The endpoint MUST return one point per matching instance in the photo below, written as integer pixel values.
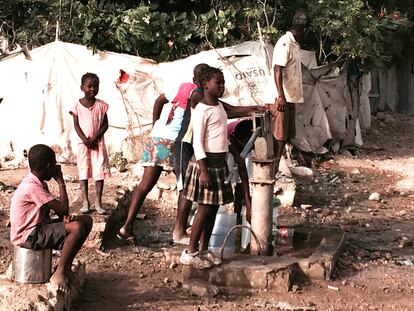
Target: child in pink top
(91, 123)
(31, 225)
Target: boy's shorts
(182, 155)
(284, 127)
(46, 235)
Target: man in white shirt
(287, 90)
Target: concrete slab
(248, 272)
(321, 263)
(314, 258)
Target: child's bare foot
(99, 209)
(126, 236)
(59, 281)
(86, 208)
(183, 239)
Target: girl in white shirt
(204, 182)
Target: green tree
(368, 35)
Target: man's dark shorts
(46, 235)
(284, 127)
(182, 153)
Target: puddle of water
(304, 242)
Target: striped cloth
(218, 193)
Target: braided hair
(207, 73)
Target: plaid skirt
(218, 193)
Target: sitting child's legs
(46, 236)
(77, 231)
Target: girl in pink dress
(91, 123)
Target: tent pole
(57, 31)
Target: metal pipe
(227, 237)
(262, 187)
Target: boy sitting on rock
(31, 225)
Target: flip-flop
(128, 239)
(101, 211)
(85, 210)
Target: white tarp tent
(38, 94)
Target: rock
(137, 170)
(202, 289)
(385, 117)
(98, 227)
(305, 206)
(43, 306)
(326, 212)
(302, 171)
(155, 194)
(345, 152)
(9, 272)
(283, 305)
(69, 178)
(401, 213)
(95, 243)
(405, 242)
(121, 192)
(295, 288)
(348, 197)
(141, 216)
(164, 185)
(287, 197)
(335, 180)
(375, 196)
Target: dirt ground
(374, 272)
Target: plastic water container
(245, 238)
(224, 222)
(32, 266)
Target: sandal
(128, 239)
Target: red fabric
(123, 76)
(183, 93)
(181, 99)
(231, 127)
